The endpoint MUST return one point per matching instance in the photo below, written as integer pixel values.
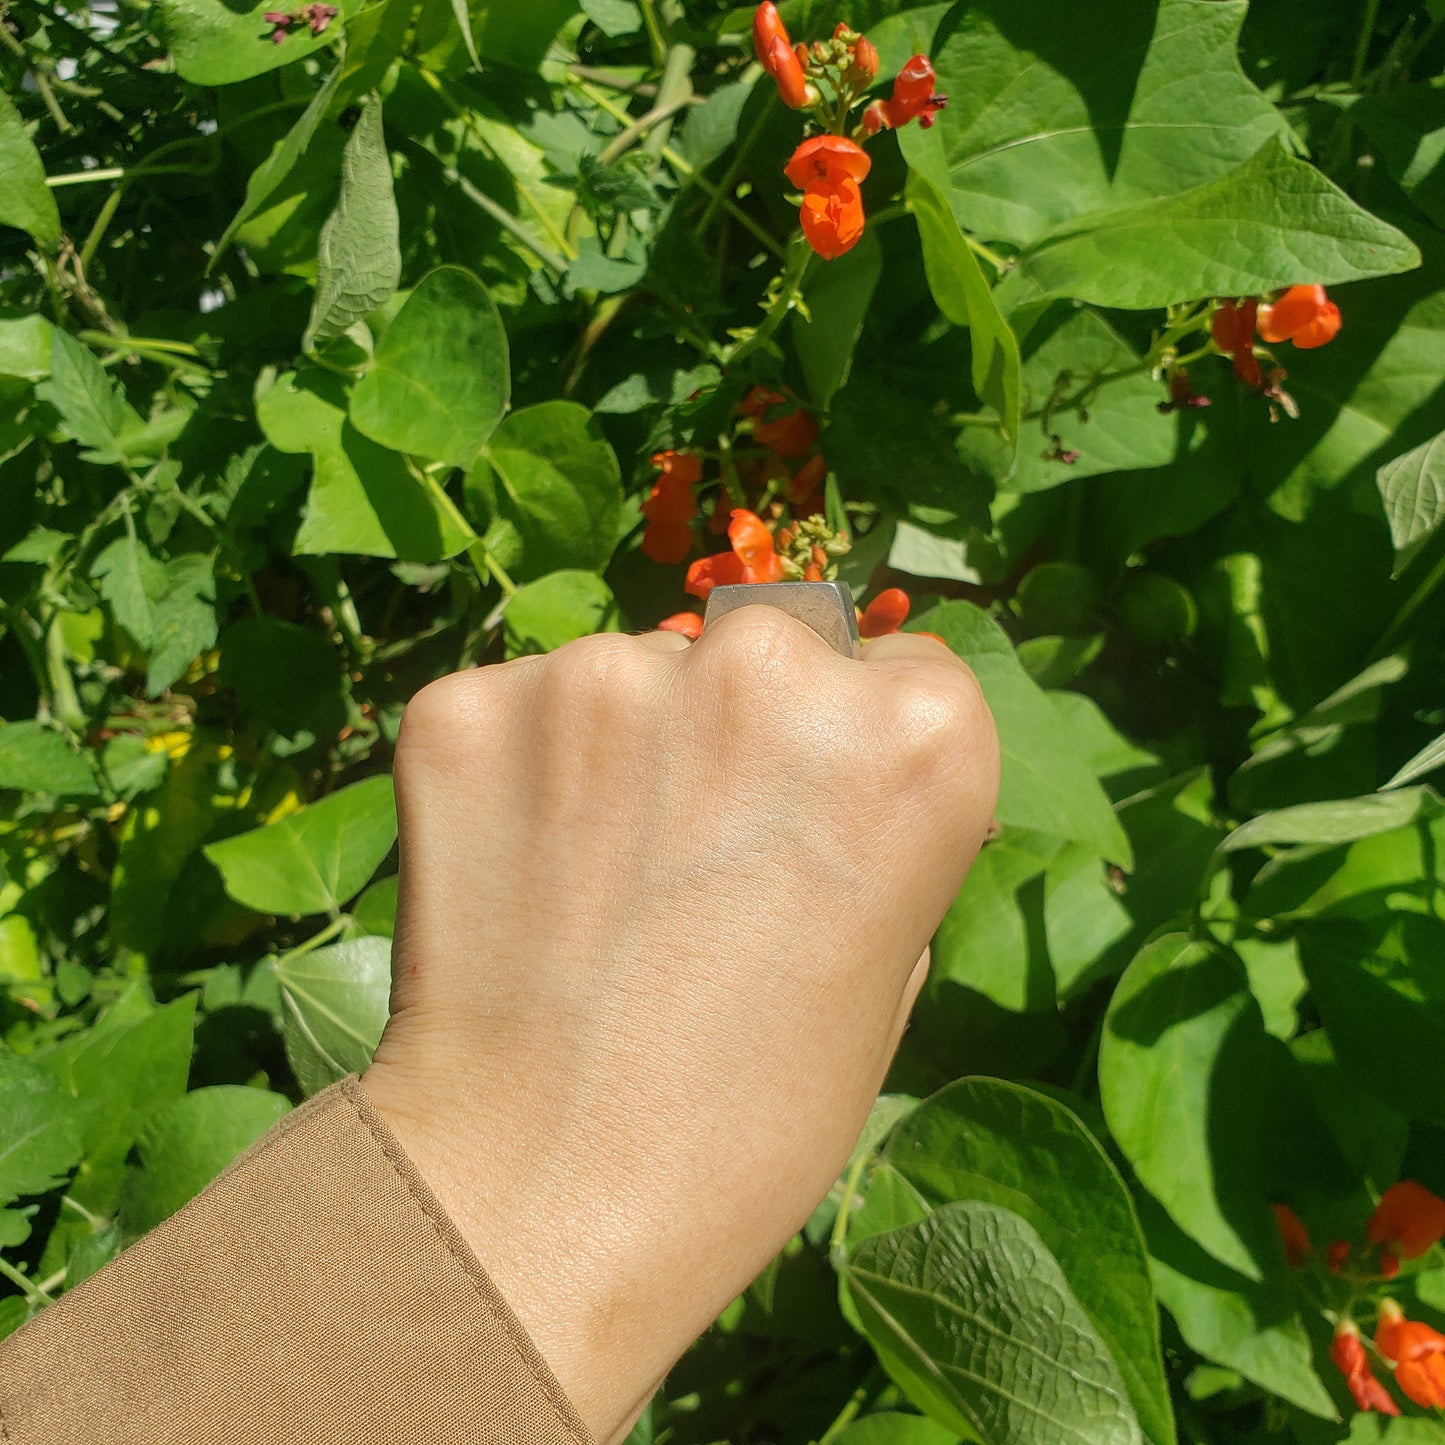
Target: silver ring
(826, 607)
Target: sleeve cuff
(314, 1293)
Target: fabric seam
(481, 1282)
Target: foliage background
(328, 366)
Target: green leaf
(336, 1005)
(890, 1428)
(1266, 225)
(957, 281)
(440, 381)
(1340, 821)
(286, 678)
(133, 582)
(1053, 116)
(1430, 757)
(185, 619)
(41, 1142)
(972, 1316)
(213, 42)
(1124, 429)
(134, 1061)
(1251, 1327)
(1179, 1060)
(92, 410)
(264, 181)
(25, 200)
(26, 343)
(1376, 1430)
(358, 263)
(315, 860)
(559, 607)
(1046, 787)
(37, 759)
(363, 498)
(984, 1139)
(186, 1144)
(837, 297)
(984, 941)
(1407, 125)
(550, 491)
(1412, 488)
(1381, 994)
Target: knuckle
(595, 680)
(941, 722)
(758, 648)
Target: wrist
(554, 1266)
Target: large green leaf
(186, 1144)
(1271, 223)
(971, 1314)
(217, 43)
(556, 609)
(1412, 488)
(1046, 786)
(1407, 125)
(363, 498)
(41, 1142)
(264, 181)
(837, 296)
(336, 1004)
(91, 407)
(1122, 428)
(1243, 1324)
(25, 199)
(890, 1428)
(1053, 115)
(1381, 994)
(315, 860)
(440, 381)
(549, 491)
(984, 1139)
(37, 759)
(1179, 1067)
(957, 281)
(1339, 821)
(358, 263)
(984, 941)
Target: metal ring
(826, 607)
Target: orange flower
(832, 217)
(776, 55)
(687, 623)
(753, 545)
(1303, 315)
(1349, 1357)
(1297, 1246)
(722, 569)
(1337, 1257)
(1418, 1352)
(1408, 1217)
(913, 95)
(886, 613)
(666, 542)
(827, 159)
(789, 435)
(1233, 330)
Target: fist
(664, 909)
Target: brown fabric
(314, 1294)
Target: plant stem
(800, 256)
(654, 31)
(849, 1412)
(1362, 43)
(992, 257)
(838, 1239)
(25, 1284)
(624, 140)
(1417, 599)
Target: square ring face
(826, 607)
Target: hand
(664, 910)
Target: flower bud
(863, 70)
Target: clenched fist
(664, 910)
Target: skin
(664, 910)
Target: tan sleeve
(314, 1293)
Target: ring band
(826, 607)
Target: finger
(906, 647)
(664, 641)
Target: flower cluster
(829, 78)
(316, 16)
(1408, 1221)
(1303, 315)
